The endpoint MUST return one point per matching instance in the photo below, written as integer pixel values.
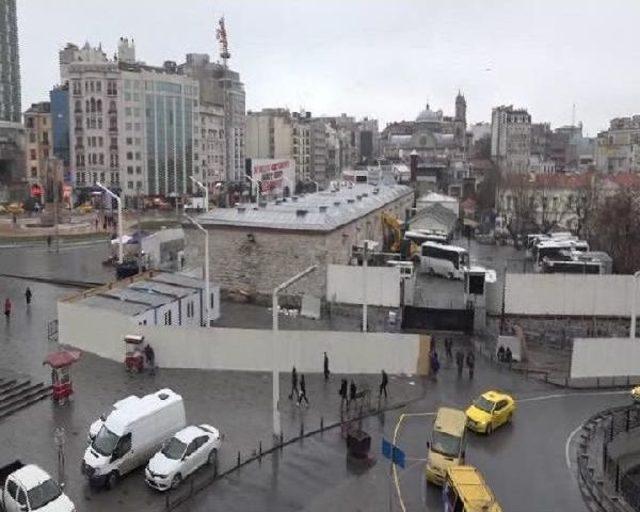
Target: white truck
(131, 434)
(27, 488)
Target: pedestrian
(435, 364)
(326, 367)
(353, 391)
(508, 355)
(343, 393)
(294, 384)
(97, 223)
(7, 308)
(303, 391)
(471, 363)
(501, 354)
(459, 361)
(383, 385)
(48, 242)
(448, 347)
(150, 356)
(28, 295)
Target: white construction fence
(605, 357)
(345, 285)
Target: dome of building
(429, 116)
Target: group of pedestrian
(470, 360)
(8, 306)
(348, 393)
(505, 356)
(301, 393)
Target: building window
(129, 155)
(129, 169)
(130, 185)
(138, 169)
(34, 156)
(167, 315)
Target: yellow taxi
(635, 394)
(489, 411)
(15, 208)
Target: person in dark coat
(435, 364)
(448, 348)
(383, 385)
(508, 355)
(326, 367)
(353, 391)
(294, 384)
(7, 307)
(343, 393)
(501, 353)
(150, 356)
(28, 295)
(303, 391)
(471, 363)
(459, 361)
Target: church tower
(460, 120)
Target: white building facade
(511, 139)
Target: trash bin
(358, 444)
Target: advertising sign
(274, 175)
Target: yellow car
(635, 394)
(489, 411)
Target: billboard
(274, 174)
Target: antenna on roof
(221, 36)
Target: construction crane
(221, 36)
(394, 240)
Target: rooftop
(321, 211)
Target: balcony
(113, 147)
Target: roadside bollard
(238, 464)
(260, 450)
(321, 423)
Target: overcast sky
(383, 59)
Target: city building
(511, 139)
(213, 148)
(133, 127)
(269, 134)
(254, 248)
(221, 87)
(39, 139)
(618, 148)
(12, 160)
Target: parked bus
(465, 490)
(552, 249)
(444, 260)
(446, 446)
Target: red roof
(62, 358)
(573, 181)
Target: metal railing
(602, 476)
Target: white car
(188, 450)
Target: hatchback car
(489, 411)
(188, 450)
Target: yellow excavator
(394, 239)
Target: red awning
(62, 358)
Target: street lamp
(206, 193)
(120, 223)
(634, 294)
(277, 430)
(255, 182)
(206, 268)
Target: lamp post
(365, 257)
(274, 347)
(206, 268)
(206, 193)
(120, 223)
(634, 294)
(255, 182)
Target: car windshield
(45, 493)
(484, 405)
(105, 442)
(174, 449)
(446, 444)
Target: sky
(382, 59)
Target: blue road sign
(393, 453)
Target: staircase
(19, 392)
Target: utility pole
(56, 191)
(364, 287)
(120, 223)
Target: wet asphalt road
(524, 463)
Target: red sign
(273, 175)
(36, 190)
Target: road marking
(567, 458)
(568, 395)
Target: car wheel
(450, 275)
(212, 458)
(176, 481)
(112, 480)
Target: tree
(616, 230)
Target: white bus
(552, 249)
(444, 260)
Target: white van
(131, 434)
(97, 425)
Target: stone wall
(257, 260)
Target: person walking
(353, 391)
(28, 295)
(343, 393)
(459, 361)
(303, 391)
(48, 242)
(471, 363)
(448, 347)
(508, 355)
(383, 385)
(7, 308)
(435, 365)
(150, 356)
(294, 384)
(326, 367)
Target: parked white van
(97, 425)
(131, 434)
